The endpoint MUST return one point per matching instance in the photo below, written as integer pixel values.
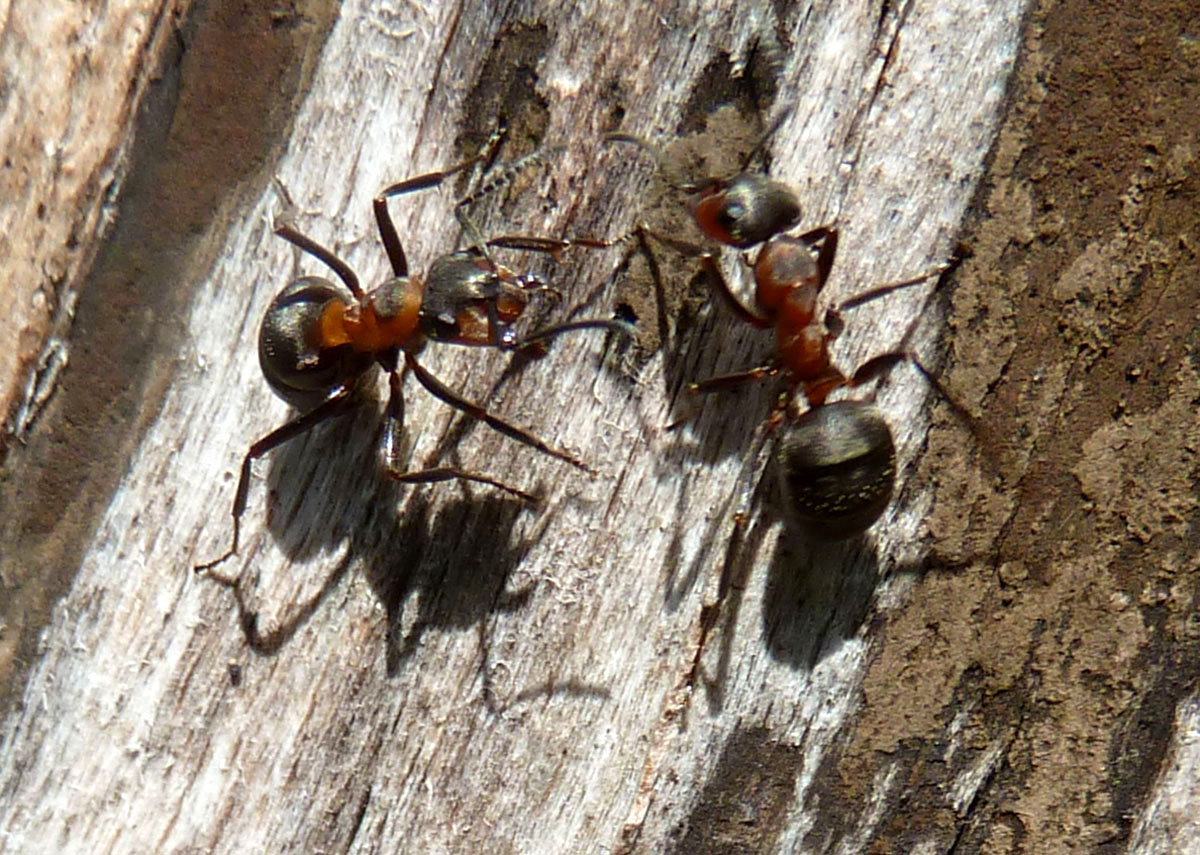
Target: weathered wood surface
(64, 158)
(440, 670)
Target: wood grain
(441, 669)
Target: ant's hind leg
(332, 406)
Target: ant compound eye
(719, 212)
(731, 213)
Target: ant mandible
(836, 462)
(319, 339)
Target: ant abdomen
(294, 362)
(836, 466)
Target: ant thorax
(385, 319)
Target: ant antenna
(507, 172)
(766, 135)
(660, 160)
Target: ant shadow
(711, 429)
(448, 569)
(817, 595)
(698, 338)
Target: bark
(998, 665)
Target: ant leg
(827, 237)
(554, 247)
(383, 218)
(433, 179)
(330, 407)
(393, 423)
(685, 248)
(722, 383)
(307, 244)
(745, 486)
(670, 345)
(390, 237)
(449, 473)
(713, 271)
(444, 393)
(612, 325)
(880, 365)
(888, 287)
(731, 381)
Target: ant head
(740, 210)
(745, 210)
(836, 466)
(295, 359)
(463, 289)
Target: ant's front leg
(447, 395)
(383, 218)
(712, 270)
(392, 431)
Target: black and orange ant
(319, 339)
(836, 462)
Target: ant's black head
(463, 290)
(745, 210)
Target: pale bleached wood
(563, 724)
(64, 159)
(1169, 822)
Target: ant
(836, 461)
(319, 339)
